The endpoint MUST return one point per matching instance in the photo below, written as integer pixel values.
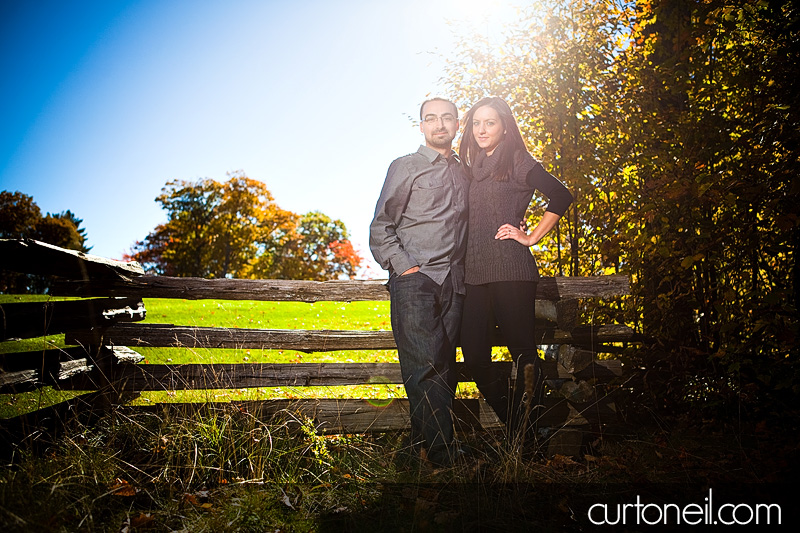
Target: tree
(317, 249)
(717, 147)
(59, 231)
(235, 229)
(554, 70)
(21, 218)
(70, 216)
(19, 215)
(676, 124)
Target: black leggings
(511, 306)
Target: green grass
(271, 315)
(235, 314)
(241, 314)
(267, 315)
(39, 343)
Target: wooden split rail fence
(103, 332)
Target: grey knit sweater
(494, 203)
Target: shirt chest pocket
(430, 192)
(430, 182)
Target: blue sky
(103, 102)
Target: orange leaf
(120, 487)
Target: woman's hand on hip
(507, 231)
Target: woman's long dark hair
(468, 148)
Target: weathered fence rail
(301, 340)
(103, 329)
(307, 291)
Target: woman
(501, 272)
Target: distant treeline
(232, 229)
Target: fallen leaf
(144, 520)
(120, 487)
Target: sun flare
(489, 18)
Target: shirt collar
(431, 155)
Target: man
(418, 234)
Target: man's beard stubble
(440, 142)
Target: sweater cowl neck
(485, 166)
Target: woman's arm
(559, 197)
(548, 222)
(559, 200)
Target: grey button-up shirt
(421, 217)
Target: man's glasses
(447, 119)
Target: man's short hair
(437, 99)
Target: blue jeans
(425, 321)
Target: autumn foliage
(676, 125)
(236, 229)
